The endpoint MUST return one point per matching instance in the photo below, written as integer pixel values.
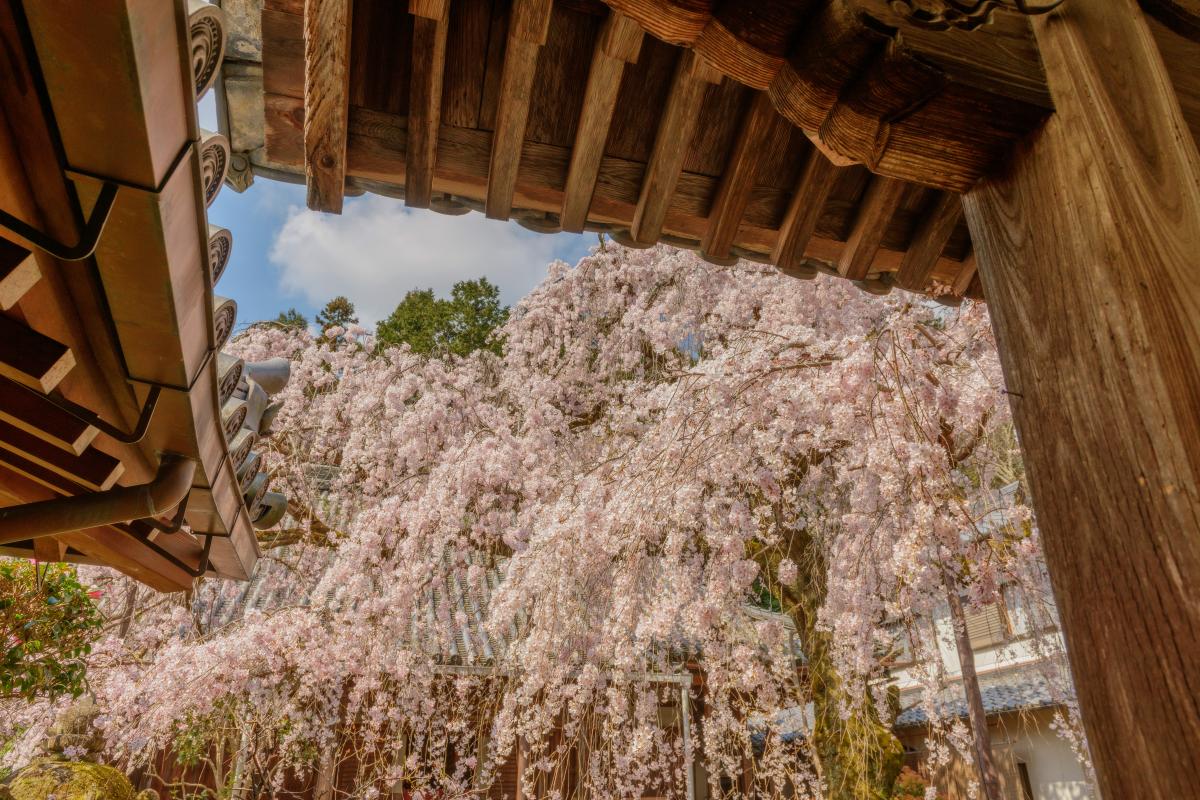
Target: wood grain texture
(560, 81)
(30, 358)
(874, 214)
(619, 42)
(375, 155)
(326, 101)
(936, 108)
(928, 242)
(425, 104)
(435, 10)
(34, 414)
(763, 133)
(1181, 54)
(940, 109)
(675, 131)
(529, 21)
(621, 38)
(470, 21)
(49, 549)
(91, 468)
(804, 210)
(1181, 16)
(18, 272)
(967, 279)
(283, 52)
(1087, 250)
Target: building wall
(1017, 739)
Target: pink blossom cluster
(587, 507)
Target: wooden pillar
(522, 758)
(326, 101)
(1089, 252)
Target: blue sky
(286, 256)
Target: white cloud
(378, 249)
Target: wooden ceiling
(661, 120)
(817, 135)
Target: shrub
(48, 622)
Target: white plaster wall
(1054, 773)
(986, 660)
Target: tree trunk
(238, 789)
(1087, 248)
(989, 779)
(127, 614)
(859, 755)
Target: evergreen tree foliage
(339, 311)
(292, 320)
(465, 323)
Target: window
(987, 626)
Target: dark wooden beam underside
(376, 156)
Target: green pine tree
(419, 321)
(291, 319)
(475, 316)
(338, 311)
(467, 322)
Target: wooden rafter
(618, 44)
(376, 149)
(431, 24)
(326, 101)
(650, 143)
(35, 414)
(30, 358)
(968, 279)
(804, 209)
(529, 23)
(928, 242)
(91, 469)
(762, 134)
(878, 205)
(18, 272)
(675, 129)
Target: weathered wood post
(1089, 253)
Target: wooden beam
(967, 276)
(619, 43)
(47, 478)
(326, 101)
(429, 9)
(48, 549)
(425, 98)
(91, 469)
(529, 23)
(675, 129)
(522, 758)
(30, 358)
(18, 272)
(35, 414)
(874, 214)
(762, 134)
(928, 242)
(376, 153)
(1087, 246)
(123, 552)
(804, 209)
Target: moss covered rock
(50, 779)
